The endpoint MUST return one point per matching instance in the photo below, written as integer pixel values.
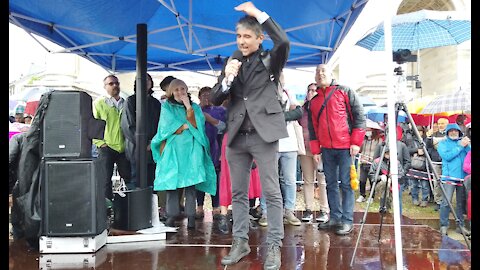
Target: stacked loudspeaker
(73, 189)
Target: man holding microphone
(255, 123)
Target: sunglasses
(113, 83)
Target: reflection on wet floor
(304, 247)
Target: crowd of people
(448, 146)
(240, 145)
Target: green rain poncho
(185, 160)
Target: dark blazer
(128, 124)
(257, 93)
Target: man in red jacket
(337, 128)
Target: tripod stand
(383, 200)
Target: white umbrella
(460, 100)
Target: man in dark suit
(255, 123)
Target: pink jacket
(467, 163)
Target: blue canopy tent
(182, 35)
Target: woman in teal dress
(181, 152)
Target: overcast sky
(23, 50)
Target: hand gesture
(354, 149)
(249, 8)
(465, 141)
(186, 101)
(232, 68)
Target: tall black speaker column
(73, 190)
(134, 211)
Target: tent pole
(387, 25)
(141, 104)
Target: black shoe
(191, 222)
(240, 249)
(161, 214)
(322, 217)
(223, 224)
(307, 216)
(255, 213)
(330, 225)
(162, 218)
(274, 258)
(344, 229)
(170, 222)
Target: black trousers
(173, 208)
(107, 157)
(215, 199)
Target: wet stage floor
(304, 247)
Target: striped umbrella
(457, 102)
(420, 30)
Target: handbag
(300, 141)
(419, 163)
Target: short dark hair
(251, 23)
(204, 89)
(110, 75)
(149, 78)
(166, 82)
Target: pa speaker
(69, 125)
(74, 198)
(133, 209)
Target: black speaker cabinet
(65, 125)
(73, 198)
(133, 212)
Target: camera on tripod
(403, 55)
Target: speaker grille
(74, 199)
(66, 123)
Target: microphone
(236, 55)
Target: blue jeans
(288, 177)
(415, 183)
(338, 160)
(288, 183)
(460, 204)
